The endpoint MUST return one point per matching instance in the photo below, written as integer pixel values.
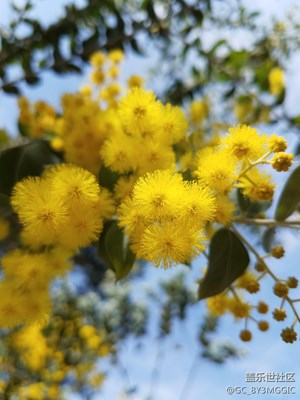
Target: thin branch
(261, 260)
(268, 222)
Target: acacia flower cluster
(165, 216)
(170, 186)
(60, 212)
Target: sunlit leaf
(289, 197)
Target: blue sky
(266, 353)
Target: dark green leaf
(10, 89)
(228, 259)
(261, 74)
(5, 208)
(116, 251)
(107, 177)
(289, 197)
(9, 163)
(280, 97)
(295, 120)
(268, 239)
(32, 80)
(187, 175)
(22, 161)
(297, 150)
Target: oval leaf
(268, 239)
(228, 259)
(116, 252)
(290, 197)
(22, 161)
(107, 178)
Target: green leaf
(10, 89)
(22, 161)
(295, 120)
(261, 74)
(107, 178)
(114, 249)
(289, 197)
(280, 98)
(32, 80)
(5, 208)
(268, 239)
(238, 59)
(228, 259)
(218, 44)
(187, 175)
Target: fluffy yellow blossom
(57, 144)
(105, 204)
(32, 345)
(87, 331)
(277, 143)
(173, 124)
(97, 59)
(110, 94)
(198, 111)
(61, 208)
(169, 243)
(86, 90)
(217, 170)
(239, 308)
(156, 155)
(139, 111)
(33, 391)
(113, 71)
(41, 211)
(199, 204)
(26, 270)
(97, 76)
(161, 229)
(82, 228)
(116, 55)
(224, 209)
(156, 194)
(124, 186)
(73, 185)
(84, 128)
(257, 185)
(131, 218)
(248, 281)
(282, 161)
(37, 119)
(217, 305)
(11, 305)
(135, 81)
(276, 80)
(119, 154)
(244, 142)
(37, 307)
